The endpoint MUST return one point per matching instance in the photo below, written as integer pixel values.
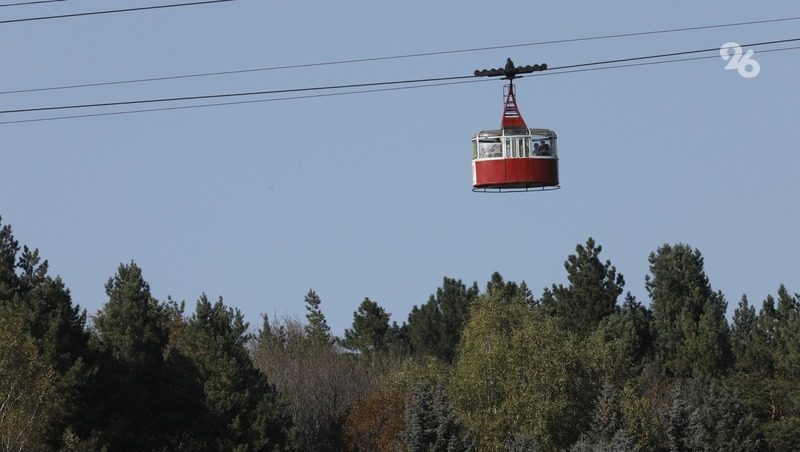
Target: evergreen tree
(521, 442)
(720, 422)
(784, 393)
(435, 327)
(317, 329)
(508, 291)
(243, 411)
(743, 333)
(623, 342)
(56, 327)
(678, 422)
(431, 423)
(370, 325)
(608, 432)
(9, 248)
(692, 335)
(146, 397)
(398, 342)
(592, 292)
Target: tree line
(581, 367)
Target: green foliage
(27, 387)
(507, 291)
(689, 318)
(435, 327)
(413, 371)
(242, 409)
(132, 326)
(678, 423)
(608, 432)
(517, 371)
(56, 326)
(643, 413)
(9, 248)
(521, 442)
(747, 352)
(431, 423)
(370, 325)
(572, 371)
(317, 329)
(621, 343)
(592, 292)
(146, 395)
(720, 422)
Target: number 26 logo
(744, 64)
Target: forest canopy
(582, 366)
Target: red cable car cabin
(514, 158)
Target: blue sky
(368, 195)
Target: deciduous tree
(518, 371)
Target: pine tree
(146, 397)
(56, 327)
(243, 409)
(431, 423)
(506, 292)
(317, 329)
(624, 341)
(742, 335)
(370, 325)
(592, 293)
(435, 327)
(9, 248)
(692, 335)
(678, 422)
(608, 432)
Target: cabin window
(542, 147)
(489, 148)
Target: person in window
(544, 148)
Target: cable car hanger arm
(510, 72)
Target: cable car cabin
(514, 160)
(514, 157)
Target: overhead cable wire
(665, 55)
(311, 96)
(244, 94)
(396, 88)
(556, 71)
(31, 3)
(364, 85)
(113, 11)
(244, 102)
(403, 56)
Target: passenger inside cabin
(544, 148)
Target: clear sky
(369, 195)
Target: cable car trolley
(514, 157)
